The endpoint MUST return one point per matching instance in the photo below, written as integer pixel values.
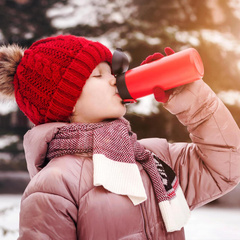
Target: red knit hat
(51, 74)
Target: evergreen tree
(140, 27)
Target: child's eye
(97, 76)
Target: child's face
(99, 99)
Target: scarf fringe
(125, 179)
(119, 177)
(175, 212)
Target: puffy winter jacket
(61, 201)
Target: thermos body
(169, 72)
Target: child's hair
(47, 79)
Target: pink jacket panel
(61, 202)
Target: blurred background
(140, 28)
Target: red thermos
(169, 72)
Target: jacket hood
(35, 145)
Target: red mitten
(168, 51)
(159, 94)
(152, 58)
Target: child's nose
(112, 80)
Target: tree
(140, 27)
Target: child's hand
(159, 94)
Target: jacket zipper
(145, 221)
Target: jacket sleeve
(210, 165)
(47, 216)
(49, 205)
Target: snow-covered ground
(9, 216)
(206, 223)
(214, 223)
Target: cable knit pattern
(52, 73)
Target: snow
(146, 106)
(231, 97)
(7, 106)
(9, 216)
(77, 12)
(214, 223)
(6, 140)
(206, 223)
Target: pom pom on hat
(10, 56)
(51, 74)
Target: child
(90, 177)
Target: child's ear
(74, 109)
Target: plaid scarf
(115, 151)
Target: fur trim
(10, 57)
